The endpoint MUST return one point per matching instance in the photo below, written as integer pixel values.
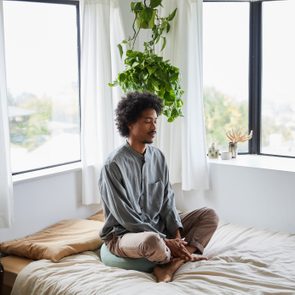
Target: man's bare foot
(198, 257)
(165, 272)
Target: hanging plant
(145, 70)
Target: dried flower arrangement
(236, 135)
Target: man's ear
(130, 126)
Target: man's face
(144, 129)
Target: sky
(225, 50)
(225, 55)
(27, 53)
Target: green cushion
(140, 264)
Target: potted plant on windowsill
(145, 70)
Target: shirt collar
(144, 157)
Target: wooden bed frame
(1, 277)
(10, 266)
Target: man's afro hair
(131, 106)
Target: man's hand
(178, 249)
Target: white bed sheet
(241, 261)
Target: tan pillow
(57, 241)
(97, 216)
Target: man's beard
(147, 141)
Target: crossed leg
(165, 272)
(198, 228)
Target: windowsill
(258, 161)
(250, 161)
(27, 176)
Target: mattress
(241, 261)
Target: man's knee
(206, 215)
(151, 242)
(212, 217)
(154, 248)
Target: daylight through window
(41, 46)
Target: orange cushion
(64, 238)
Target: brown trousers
(198, 228)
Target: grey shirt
(136, 194)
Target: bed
(241, 261)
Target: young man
(141, 218)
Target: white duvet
(241, 261)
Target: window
(278, 92)
(42, 66)
(248, 68)
(225, 52)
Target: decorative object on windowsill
(145, 70)
(235, 136)
(225, 155)
(232, 148)
(213, 152)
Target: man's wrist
(177, 234)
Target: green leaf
(179, 103)
(122, 76)
(172, 15)
(132, 5)
(174, 113)
(155, 3)
(157, 39)
(135, 64)
(137, 6)
(164, 43)
(120, 49)
(168, 103)
(155, 85)
(168, 28)
(151, 70)
(146, 14)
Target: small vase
(232, 147)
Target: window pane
(225, 69)
(278, 92)
(42, 78)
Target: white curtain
(6, 201)
(183, 141)
(101, 31)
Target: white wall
(248, 196)
(262, 198)
(44, 201)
